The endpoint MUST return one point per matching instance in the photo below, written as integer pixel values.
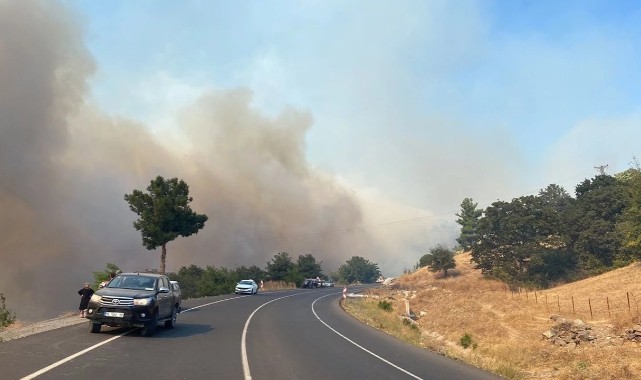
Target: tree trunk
(163, 256)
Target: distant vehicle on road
(328, 284)
(311, 283)
(246, 287)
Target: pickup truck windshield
(133, 282)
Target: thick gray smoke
(65, 166)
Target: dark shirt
(86, 294)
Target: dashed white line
(358, 345)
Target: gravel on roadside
(20, 331)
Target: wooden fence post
(608, 301)
(573, 311)
(536, 298)
(558, 303)
(628, 295)
(590, 304)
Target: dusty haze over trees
(64, 165)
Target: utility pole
(601, 169)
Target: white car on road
(246, 287)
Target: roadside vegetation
(6, 316)
(481, 321)
(281, 272)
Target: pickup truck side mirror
(163, 290)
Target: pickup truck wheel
(150, 327)
(171, 323)
(95, 327)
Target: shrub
(466, 341)
(385, 305)
(6, 317)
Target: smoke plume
(65, 166)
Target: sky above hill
(326, 127)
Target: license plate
(114, 314)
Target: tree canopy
(280, 267)
(358, 269)
(104, 275)
(537, 240)
(629, 227)
(440, 258)
(308, 267)
(468, 218)
(164, 214)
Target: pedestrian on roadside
(85, 295)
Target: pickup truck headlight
(142, 301)
(96, 298)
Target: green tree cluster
(358, 269)
(283, 268)
(209, 281)
(198, 282)
(537, 240)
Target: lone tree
(439, 258)
(164, 214)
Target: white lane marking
(358, 345)
(68, 358)
(243, 343)
(63, 361)
(211, 303)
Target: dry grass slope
(506, 328)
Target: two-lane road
(295, 334)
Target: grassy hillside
(505, 328)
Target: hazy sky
(336, 128)
(426, 102)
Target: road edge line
(358, 345)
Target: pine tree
(468, 218)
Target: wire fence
(594, 307)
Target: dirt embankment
(505, 332)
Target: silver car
(246, 287)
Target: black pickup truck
(135, 300)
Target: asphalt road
(295, 334)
